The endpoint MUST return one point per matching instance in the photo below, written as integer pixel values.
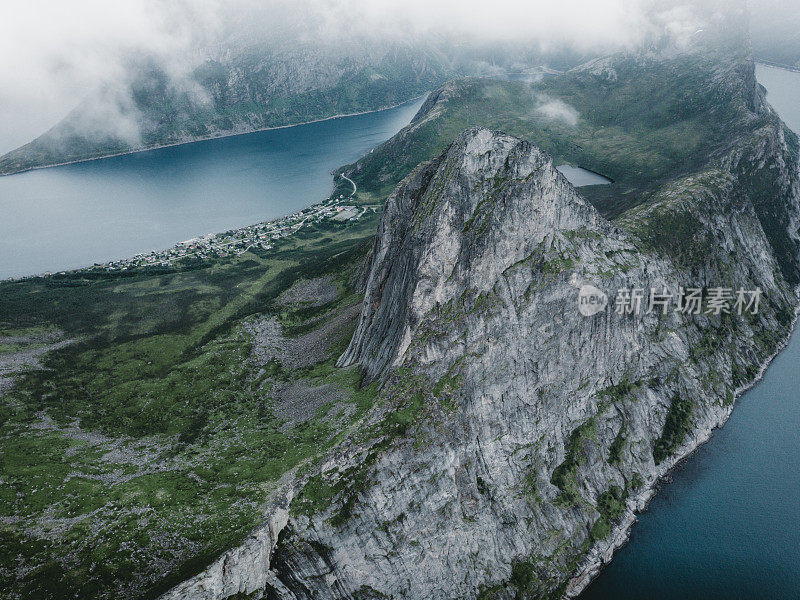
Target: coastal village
(238, 241)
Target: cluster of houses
(237, 241)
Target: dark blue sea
(728, 526)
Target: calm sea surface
(76, 215)
(728, 526)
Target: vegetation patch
(677, 424)
(611, 506)
(565, 475)
(619, 391)
(635, 137)
(618, 445)
(151, 445)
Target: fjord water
(75, 215)
(728, 525)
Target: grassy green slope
(151, 443)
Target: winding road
(351, 181)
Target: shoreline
(335, 173)
(600, 557)
(234, 229)
(762, 62)
(775, 65)
(212, 137)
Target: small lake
(75, 215)
(728, 526)
(580, 177)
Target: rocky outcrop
(531, 433)
(493, 201)
(242, 570)
(518, 437)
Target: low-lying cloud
(56, 54)
(557, 110)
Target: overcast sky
(55, 52)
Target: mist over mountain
(775, 27)
(162, 74)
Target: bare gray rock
(298, 402)
(523, 420)
(475, 278)
(270, 343)
(25, 354)
(310, 292)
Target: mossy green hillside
(150, 444)
(637, 121)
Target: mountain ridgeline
(236, 92)
(638, 118)
(515, 438)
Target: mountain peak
(455, 225)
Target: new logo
(591, 300)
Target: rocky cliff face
(517, 437)
(539, 429)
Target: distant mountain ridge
(774, 27)
(245, 88)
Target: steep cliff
(517, 437)
(530, 432)
(514, 437)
